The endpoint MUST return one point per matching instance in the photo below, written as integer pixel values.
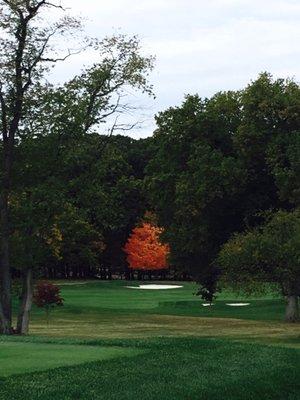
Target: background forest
(213, 167)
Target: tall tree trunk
(292, 309)
(9, 129)
(6, 302)
(26, 303)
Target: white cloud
(200, 46)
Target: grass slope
(169, 369)
(155, 345)
(18, 357)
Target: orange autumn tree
(144, 249)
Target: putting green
(18, 358)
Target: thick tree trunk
(26, 303)
(292, 309)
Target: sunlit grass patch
(20, 357)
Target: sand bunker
(155, 287)
(237, 304)
(208, 304)
(72, 283)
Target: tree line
(230, 165)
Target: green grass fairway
(170, 369)
(110, 310)
(16, 357)
(109, 342)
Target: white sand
(155, 287)
(237, 304)
(72, 283)
(208, 304)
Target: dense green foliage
(79, 206)
(212, 168)
(74, 191)
(219, 164)
(268, 254)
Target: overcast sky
(201, 46)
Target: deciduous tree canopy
(269, 254)
(144, 249)
(219, 163)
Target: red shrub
(47, 295)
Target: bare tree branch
(126, 127)
(55, 5)
(112, 129)
(90, 122)
(54, 60)
(112, 111)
